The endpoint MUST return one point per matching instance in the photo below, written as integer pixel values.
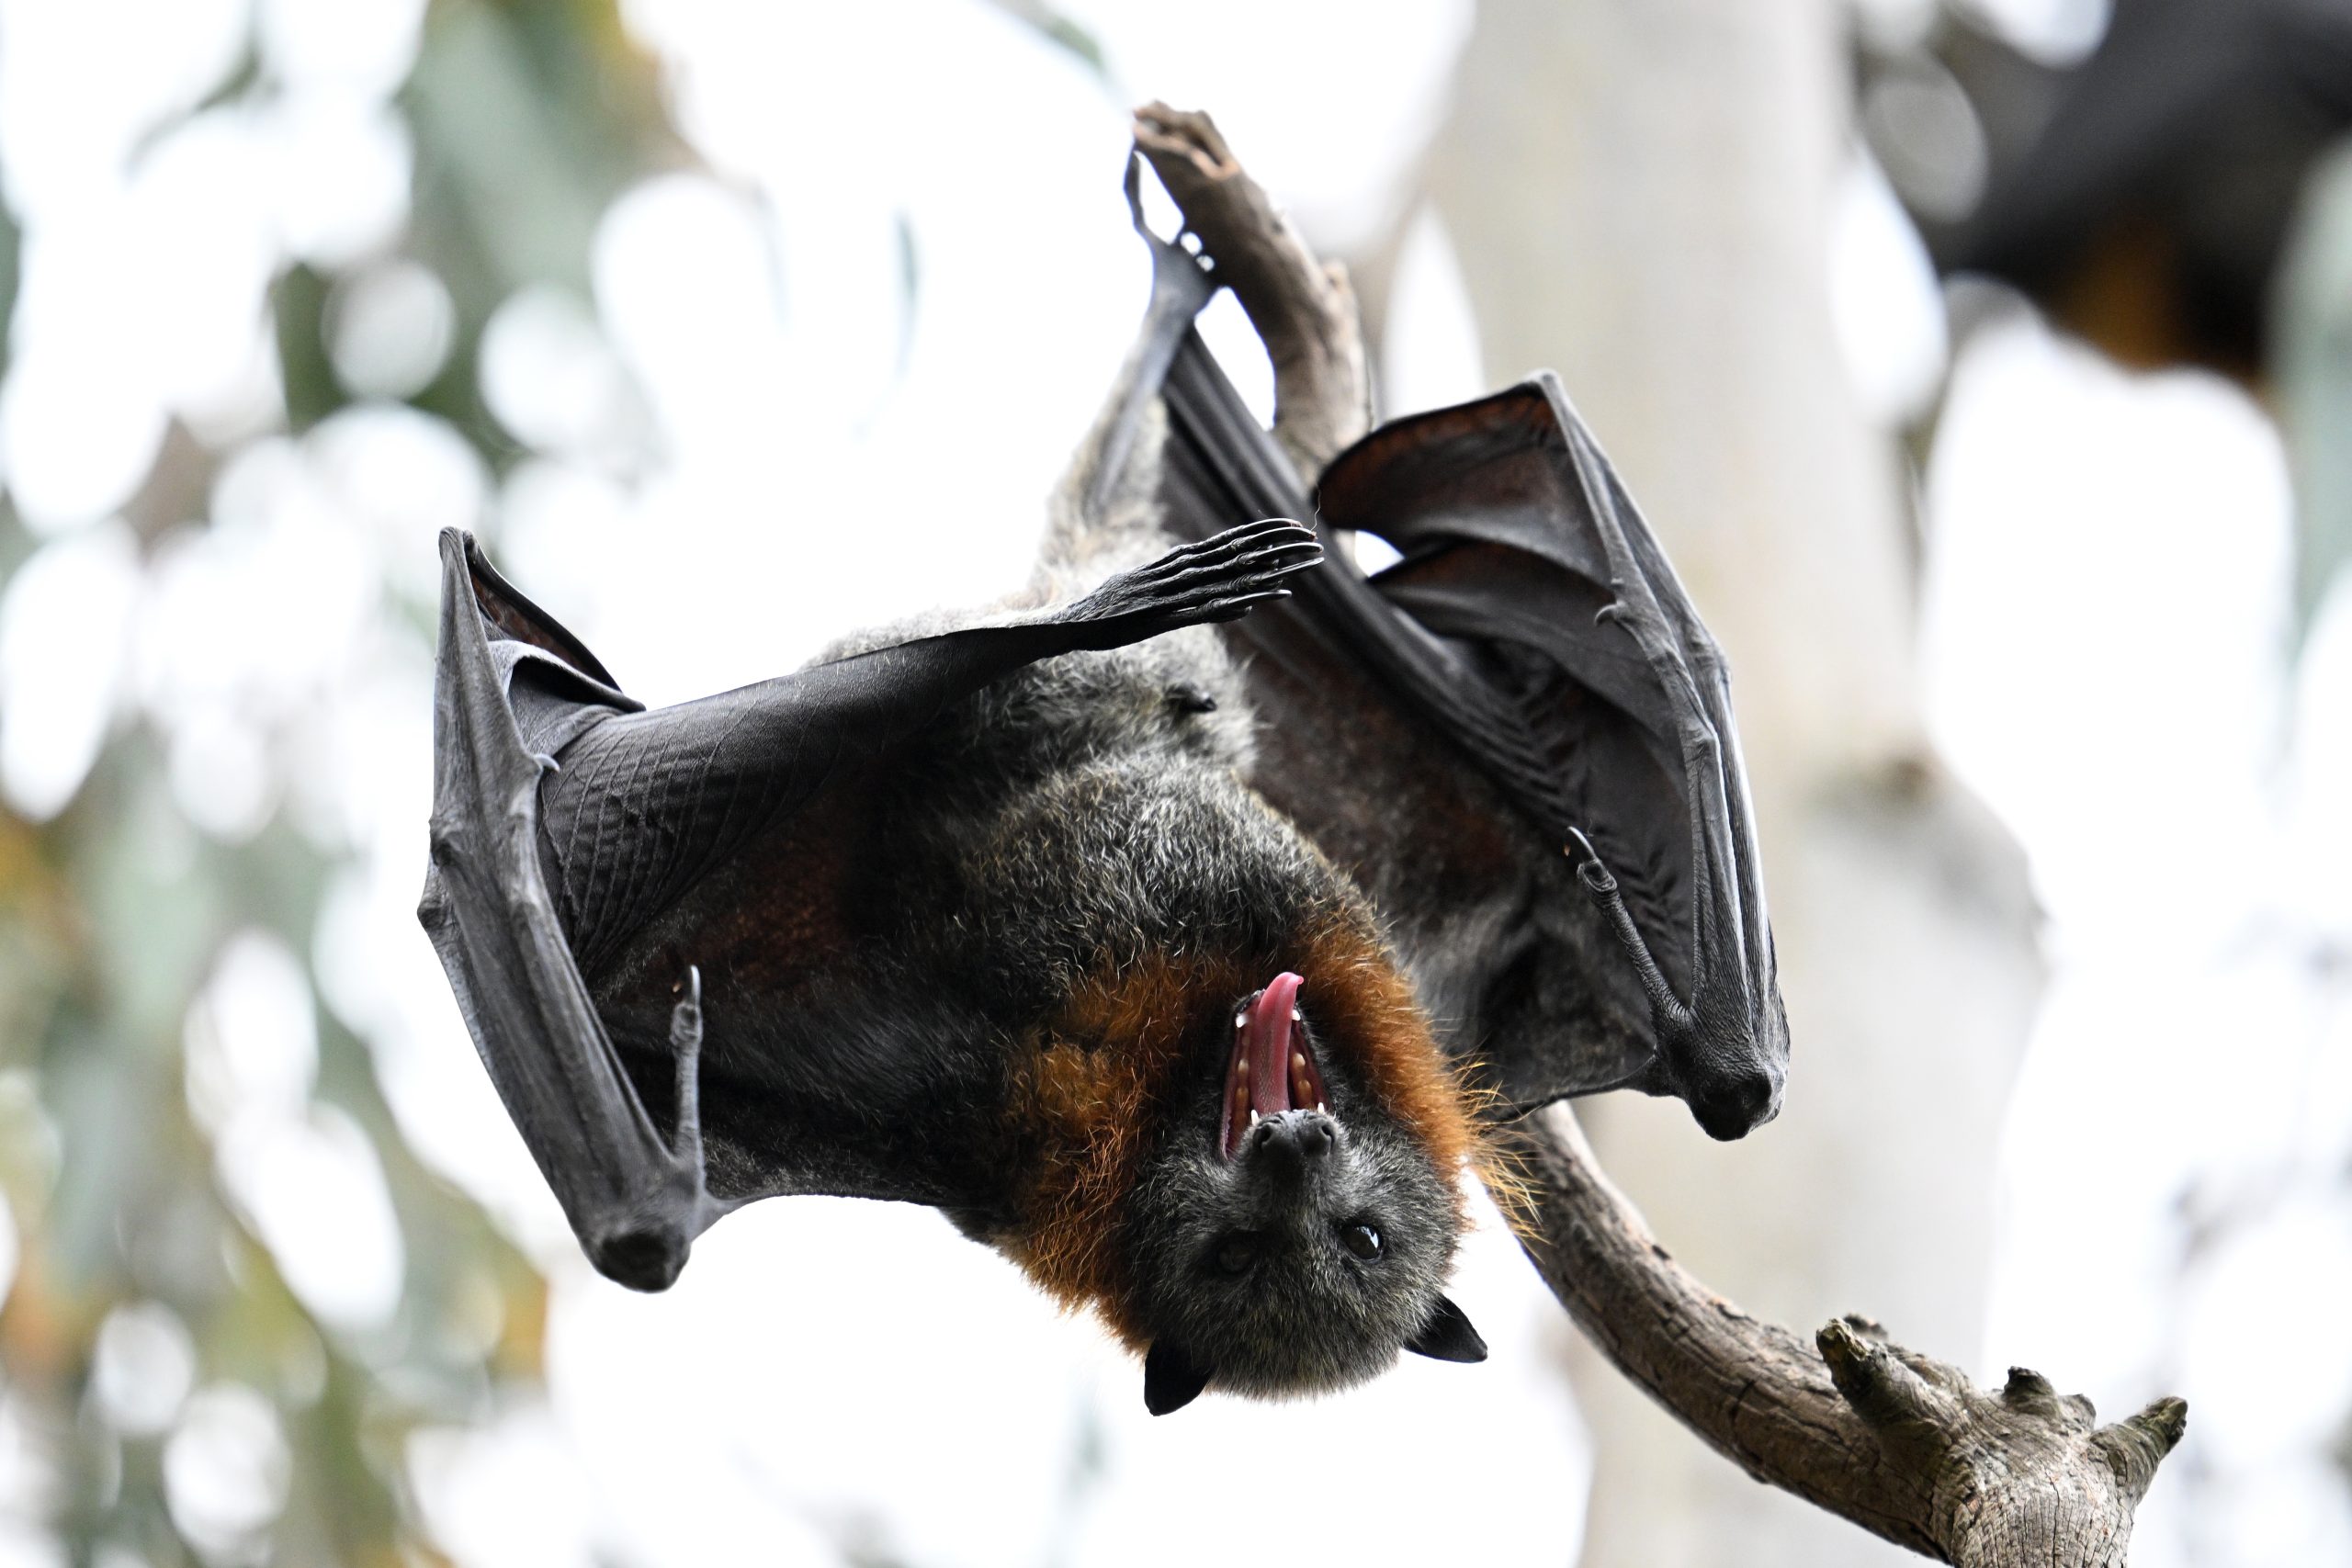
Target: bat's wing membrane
(1534, 633)
(1528, 566)
(511, 687)
(543, 868)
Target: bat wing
(1523, 715)
(511, 689)
(1534, 619)
(567, 817)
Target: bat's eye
(1234, 1254)
(1185, 697)
(1361, 1239)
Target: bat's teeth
(1297, 1016)
(1323, 1108)
(1253, 1116)
(1240, 1019)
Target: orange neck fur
(1095, 1083)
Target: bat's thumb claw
(685, 1029)
(1587, 863)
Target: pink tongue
(1267, 1038)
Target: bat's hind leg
(645, 1244)
(1107, 508)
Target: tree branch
(1901, 1444)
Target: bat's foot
(1301, 305)
(1219, 579)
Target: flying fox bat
(2152, 210)
(1180, 942)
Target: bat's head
(1239, 1141)
(1291, 1230)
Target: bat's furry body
(995, 970)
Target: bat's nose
(1295, 1141)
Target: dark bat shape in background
(1117, 938)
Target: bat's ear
(1171, 1379)
(1448, 1336)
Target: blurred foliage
(530, 116)
(527, 118)
(1058, 29)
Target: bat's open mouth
(1273, 1067)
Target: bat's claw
(1589, 868)
(1216, 578)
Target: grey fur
(1305, 1315)
(1065, 821)
(1105, 816)
(1140, 823)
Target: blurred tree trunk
(1638, 191)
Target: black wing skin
(1518, 739)
(538, 870)
(624, 1190)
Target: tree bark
(1894, 1441)
(1900, 1444)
